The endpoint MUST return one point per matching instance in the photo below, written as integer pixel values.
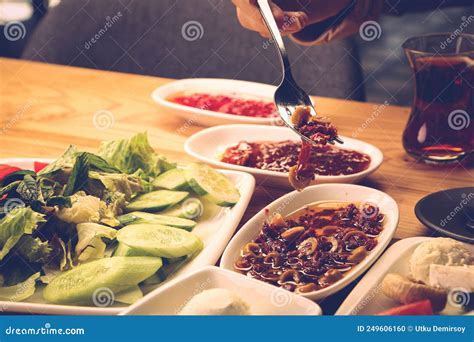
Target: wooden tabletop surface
(44, 108)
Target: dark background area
(386, 75)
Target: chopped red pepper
(38, 166)
(5, 170)
(228, 105)
(413, 309)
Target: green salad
(118, 220)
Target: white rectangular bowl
(262, 298)
(367, 298)
(215, 232)
(293, 201)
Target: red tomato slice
(5, 170)
(38, 166)
(413, 309)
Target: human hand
(288, 22)
(291, 16)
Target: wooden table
(44, 108)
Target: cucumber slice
(138, 217)
(127, 251)
(156, 200)
(159, 240)
(130, 295)
(206, 181)
(169, 267)
(82, 284)
(174, 179)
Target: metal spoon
(289, 94)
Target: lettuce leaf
(20, 291)
(134, 156)
(90, 245)
(66, 161)
(14, 225)
(83, 208)
(33, 249)
(115, 182)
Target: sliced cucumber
(84, 283)
(130, 295)
(127, 251)
(138, 217)
(169, 267)
(174, 179)
(156, 200)
(159, 240)
(206, 181)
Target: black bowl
(449, 212)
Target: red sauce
(228, 105)
(280, 156)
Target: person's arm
(311, 22)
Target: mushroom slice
(296, 181)
(292, 234)
(357, 255)
(301, 116)
(308, 246)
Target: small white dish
(209, 144)
(262, 298)
(215, 229)
(216, 86)
(293, 201)
(367, 298)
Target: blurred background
(185, 38)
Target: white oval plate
(293, 201)
(263, 298)
(367, 298)
(215, 230)
(215, 86)
(208, 144)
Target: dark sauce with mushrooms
(282, 155)
(312, 248)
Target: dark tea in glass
(440, 127)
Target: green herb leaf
(60, 201)
(79, 175)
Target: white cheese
(450, 277)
